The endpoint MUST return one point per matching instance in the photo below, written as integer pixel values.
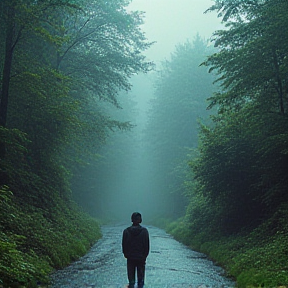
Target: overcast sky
(170, 22)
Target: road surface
(169, 265)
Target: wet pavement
(169, 265)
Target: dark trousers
(132, 266)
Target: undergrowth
(34, 241)
(257, 258)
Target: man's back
(135, 242)
(135, 247)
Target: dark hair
(136, 216)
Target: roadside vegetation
(256, 258)
(236, 183)
(36, 240)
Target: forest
(212, 156)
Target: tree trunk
(279, 82)
(6, 71)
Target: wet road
(169, 265)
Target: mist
(129, 175)
(171, 22)
(106, 110)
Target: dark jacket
(135, 243)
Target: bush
(254, 259)
(33, 244)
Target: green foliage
(179, 230)
(64, 58)
(240, 171)
(252, 61)
(34, 241)
(40, 229)
(254, 259)
(181, 88)
(242, 164)
(237, 187)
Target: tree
(65, 61)
(70, 56)
(241, 168)
(18, 18)
(252, 61)
(181, 89)
(9, 47)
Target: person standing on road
(135, 247)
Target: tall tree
(181, 89)
(242, 166)
(62, 67)
(82, 52)
(8, 22)
(252, 61)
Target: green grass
(258, 258)
(34, 241)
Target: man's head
(136, 218)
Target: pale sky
(170, 22)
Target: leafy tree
(242, 166)
(63, 60)
(18, 20)
(179, 101)
(252, 61)
(103, 52)
(78, 57)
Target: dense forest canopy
(145, 168)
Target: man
(135, 247)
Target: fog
(169, 22)
(124, 184)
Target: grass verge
(35, 241)
(257, 258)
